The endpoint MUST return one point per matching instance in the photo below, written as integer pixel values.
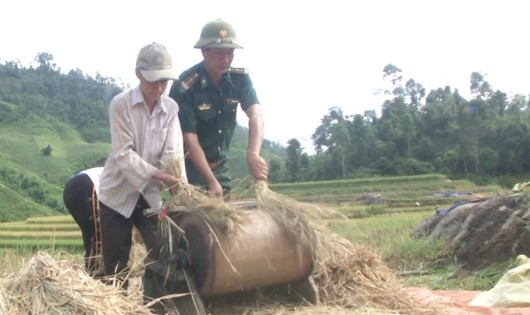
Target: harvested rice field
(349, 272)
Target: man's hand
(214, 189)
(169, 180)
(258, 166)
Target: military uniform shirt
(210, 112)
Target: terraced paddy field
(354, 198)
(41, 233)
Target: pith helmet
(218, 34)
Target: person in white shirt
(145, 135)
(80, 198)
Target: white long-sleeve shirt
(140, 143)
(94, 174)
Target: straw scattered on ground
(47, 286)
(345, 274)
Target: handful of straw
(222, 217)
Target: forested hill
(53, 125)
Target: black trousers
(78, 198)
(116, 233)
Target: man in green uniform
(208, 95)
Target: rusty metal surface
(261, 254)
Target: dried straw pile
(346, 274)
(47, 286)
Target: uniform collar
(204, 78)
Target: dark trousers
(116, 235)
(221, 173)
(78, 197)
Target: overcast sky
(304, 56)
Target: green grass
(43, 243)
(421, 261)
(39, 234)
(60, 219)
(14, 258)
(383, 232)
(27, 226)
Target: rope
(96, 254)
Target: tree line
(484, 139)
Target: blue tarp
(451, 194)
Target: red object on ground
(456, 302)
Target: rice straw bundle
(297, 218)
(346, 274)
(46, 286)
(222, 217)
(351, 276)
(137, 255)
(6, 308)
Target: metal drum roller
(259, 254)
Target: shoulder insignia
(238, 70)
(188, 82)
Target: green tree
(362, 140)
(275, 171)
(45, 61)
(480, 88)
(333, 136)
(394, 74)
(438, 140)
(294, 157)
